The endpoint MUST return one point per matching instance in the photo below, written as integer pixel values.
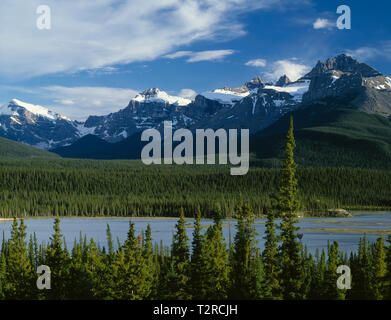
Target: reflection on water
(316, 231)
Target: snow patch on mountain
(296, 89)
(156, 95)
(14, 104)
(83, 131)
(225, 96)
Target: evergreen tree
(379, 269)
(3, 268)
(109, 243)
(361, 273)
(78, 273)
(177, 280)
(98, 274)
(131, 279)
(198, 261)
(330, 289)
(57, 259)
(271, 285)
(245, 262)
(19, 273)
(291, 264)
(150, 261)
(387, 277)
(216, 260)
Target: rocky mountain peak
(344, 64)
(283, 81)
(155, 95)
(241, 90)
(255, 83)
(151, 92)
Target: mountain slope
(12, 149)
(36, 125)
(93, 147)
(330, 137)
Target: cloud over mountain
(93, 34)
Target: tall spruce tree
(20, 275)
(178, 275)
(271, 262)
(131, 277)
(291, 264)
(361, 273)
(216, 260)
(198, 276)
(57, 258)
(245, 261)
(330, 289)
(150, 261)
(110, 245)
(379, 269)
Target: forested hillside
(12, 149)
(128, 188)
(329, 138)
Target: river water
(316, 231)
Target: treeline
(208, 268)
(125, 190)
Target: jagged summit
(255, 83)
(283, 81)
(345, 64)
(151, 92)
(158, 96)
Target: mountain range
(333, 92)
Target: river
(316, 231)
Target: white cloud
(321, 23)
(382, 49)
(210, 55)
(256, 63)
(293, 70)
(178, 54)
(78, 103)
(93, 34)
(65, 101)
(187, 93)
(364, 53)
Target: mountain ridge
(336, 82)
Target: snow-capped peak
(12, 107)
(156, 95)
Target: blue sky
(99, 54)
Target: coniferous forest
(210, 267)
(127, 188)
